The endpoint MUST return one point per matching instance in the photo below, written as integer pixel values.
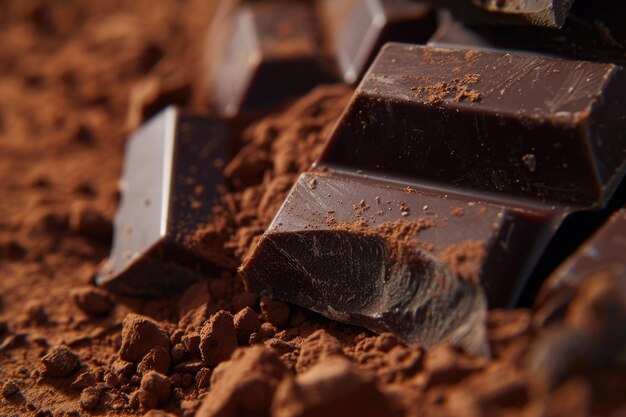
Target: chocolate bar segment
(263, 53)
(547, 129)
(357, 29)
(168, 188)
(392, 257)
(546, 13)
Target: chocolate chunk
(547, 13)
(590, 33)
(514, 125)
(261, 53)
(392, 258)
(603, 253)
(168, 188)
(357, 29)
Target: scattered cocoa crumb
(457, 211)
(457, 89)
(530, 161)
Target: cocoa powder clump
(243, 385)
(93, 301)
(158, 360)
(315, 348)
(246, 322)
(331, 388)
(217, 338)
(60, 362)
(157, 384)
(139, 336)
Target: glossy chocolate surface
(168, 188)
(546, 129)
(546, 13)
(357, 29)
(333, 248)
(589, 33)
(267, 52)
(603, 253)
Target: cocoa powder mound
(275, 150)
(74, 77)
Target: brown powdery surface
(74, 76)
(457, 90)
(275, 151)
(402, 240)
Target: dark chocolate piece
(395, 258)
(262, 53)
(357, 29)
(603, 253)
(546, 13)
(168, 188)
(546, 129)
(590, 33)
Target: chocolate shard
(603, 253)
(261, 53)
(394, 258)
(546, 129)
(546, 13)
(168, 188)
(357, 29)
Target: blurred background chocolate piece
(588, 294)
(589, 33)
(602, 254)
(262, 53)
(545, 13)
(545, 129)
(168, 188)
(356, 29)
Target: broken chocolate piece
(603, 253)
(168, 188)
(357, 29)
(263, 53)
(395, 258)
(546, 13)
(547, 129)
